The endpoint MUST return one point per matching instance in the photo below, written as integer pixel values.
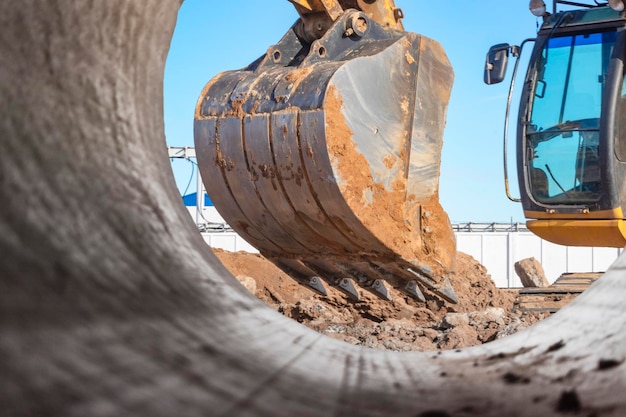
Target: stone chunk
(531, 273)
(454, 320)
(248, 282)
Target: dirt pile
(484, 312)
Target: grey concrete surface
(110, 304)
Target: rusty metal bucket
(325, 156)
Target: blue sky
(213, 36)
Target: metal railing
(489, 227)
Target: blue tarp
(190, 200)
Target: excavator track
(324, 154)
(551, 299)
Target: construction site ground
(484, 312)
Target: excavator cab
(324, 153)
(571, 126)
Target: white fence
(497, 247)
(229, 241)
(498, 252)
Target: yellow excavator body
(599, 233)
(571, 156)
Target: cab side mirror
(496, 63)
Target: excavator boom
(324, 153)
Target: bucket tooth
(425, 270)
(348, 286)
(317, 284)
(444, 290)
(414, 291)
(379, 288)
(303, 274)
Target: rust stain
(296, 76)
(404, 105)
(389, 161)
(409, 58)
(203, 96)
(237, 110)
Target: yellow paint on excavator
(597, 233)
(383, 12)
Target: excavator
(571, 152)
(571, 155)
(324, 153)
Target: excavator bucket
(325, 156)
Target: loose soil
(484, 312)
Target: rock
(306, 309)
(454, 320)
(430, 334)
(489, 315)
(460, 336)
(248, 282)
(348, 339)
(531, 273)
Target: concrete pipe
(110, 304)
